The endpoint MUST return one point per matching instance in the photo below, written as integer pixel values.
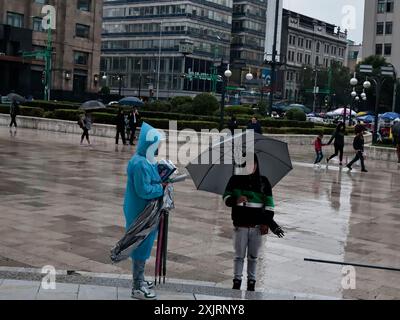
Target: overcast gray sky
(346, 13)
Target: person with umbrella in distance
(85, 123)
(120, 127)
(14, 111)
(252, 203)
(134, 118)
(144, 185)
(338, 138)
(255, 125)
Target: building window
(82, 31)
(389, 5)
(388, 49)
(378, 49)
(84, 5)
(42, 1)
(37, 24)
(15, 19)
(389, 28)
(379, 28)
(81, 58)
(318, 47)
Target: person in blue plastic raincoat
(144, 184)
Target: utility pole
(274, 54)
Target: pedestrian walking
(318, 149)
(255, 125)
(120, 127)
(233, 125)
(144, 185)
(252, 203)
(396, 137)
(134, 118)
(358, 146)
(14, 111)
(338, 139)
(86, 125)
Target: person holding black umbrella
(14, 111)
(86, 125)
(252, 203)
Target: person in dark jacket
(338, 137)
(14, 111)
(255, 125)
(252, 203)
(120, 127)
(134, 118)
(233, 124)
(358, 146)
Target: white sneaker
(143, 294)
(149, 284)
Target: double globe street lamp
(356, 98)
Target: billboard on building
(269, 40)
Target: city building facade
(354, 55)
(380, 22)
(307, 43)
(161, 49)
(248, 39)
(75, 43)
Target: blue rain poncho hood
(149, 142)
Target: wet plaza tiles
(61, 205)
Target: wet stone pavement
(61, 205)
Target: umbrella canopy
(131, 101)
(16, 97)
(390, 116)
(366, 119)
(273, 156)
(92, 105)
(340, 112)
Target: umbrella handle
(165, 246)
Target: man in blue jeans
(144, 185)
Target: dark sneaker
(350, 168)
(143, 294)
(237, 284)
(251, 285)
(364, 170)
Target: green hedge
(24, 111)
(300, 131)
(195, 125)
(71, 115)
(104, 118)
(239, 110)
(52, 105)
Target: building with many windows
(380, 19)
(149, 46)
(76, 44)
(248, 39)
(308, 43)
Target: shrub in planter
(239, 110)
(296, 114)
(205, 104)
(178, 101)
(160, 106)
(52, 105)
(186, 108)
(104, 118)
(5, 109)
(31, 112)
(70, 115)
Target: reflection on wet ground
(61, 204)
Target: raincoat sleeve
(229, 196)
(144, 185)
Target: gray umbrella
(92, 105)
(16, 97)
(273, 157)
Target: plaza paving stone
(61, 205)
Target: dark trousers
(398, 152)
(320, 156)
(132, 135)
(85, 134)
(338, 152)
(120, 131)
(13, 120)
(359, 156)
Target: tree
(339, 84)
(387, 89)
(205, 104)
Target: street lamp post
(225, 78)
(315, 90)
